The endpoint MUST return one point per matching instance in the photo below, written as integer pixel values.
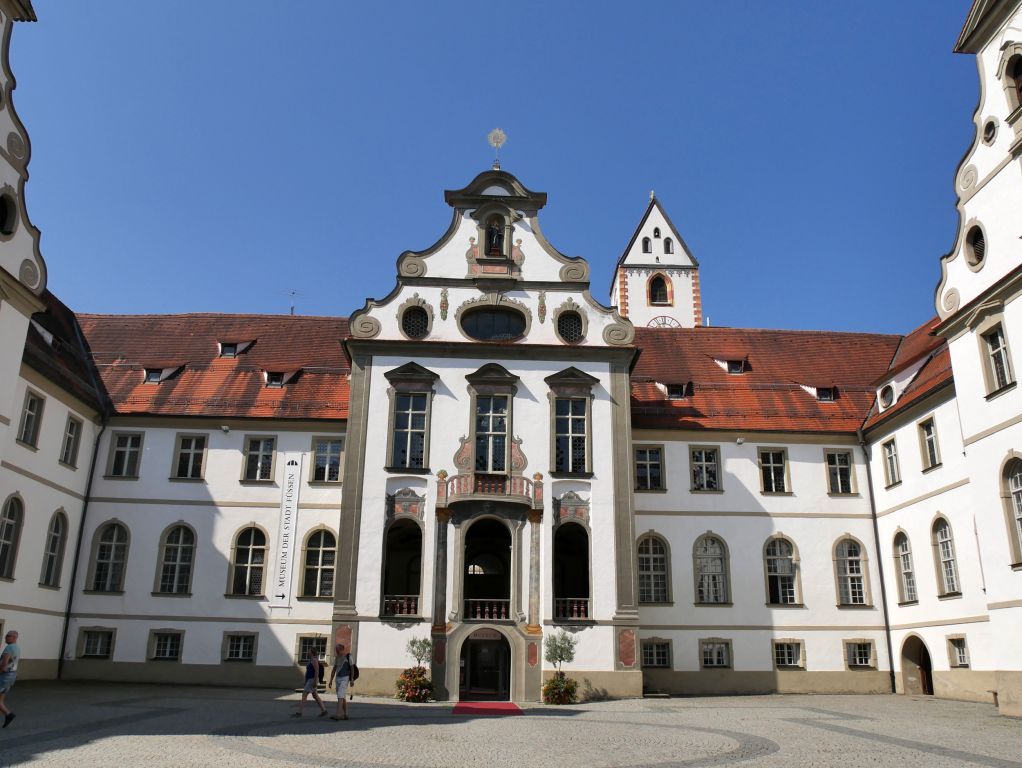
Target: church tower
(656, 282)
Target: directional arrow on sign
(281, 596)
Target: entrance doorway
(916, 669)
(485, 667)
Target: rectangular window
(491, 433)
(327, 461)
(649, 469)
(892, 470)
(998, 363)
(928, 444)
(656, 653)
(306, 644)
(772, 467)
(31, 418)
(859, 654)
(839, 471)
(259, 458)
(72, 439)
(958, 651)
(826, 394)
(97, 644)
(274, 379)
(166, 646)
(190, 452)
(787, 654)
(240, 648)
(126, 450)
(705, 469)
(715, 653)
(228, 350)
(409, 431)
(570, 434)
(153, 375)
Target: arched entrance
(485, 667)
(916, 669)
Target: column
(535, 519)
(443, 517)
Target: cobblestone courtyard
(105, 725)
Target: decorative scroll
(463, 456)
(365, 327)
(574, 273)
(406, 503)
(413, 266)
(518, 460)
(570, 507)
(16, 146)
(619, 334)
(28, 273)
(951, 300)
(517, 256)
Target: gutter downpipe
(104, 417)
(880, 559)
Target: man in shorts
(8, 672)
(341, 673)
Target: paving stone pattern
(127, 725)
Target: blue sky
(210, 156)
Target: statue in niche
(495, 238)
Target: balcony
(571, 609)
(400, 605)
(488, 609)
(478, 486)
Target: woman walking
(341, 672)
(311, 681)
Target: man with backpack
(344, 672)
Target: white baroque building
(488, 454)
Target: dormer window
(826, 394)
(274, 379)
(668, 245)
(153, 375)
(228, 350)
(887, 396)
(647, 245)
(735, 366)
(656, 232)
(679, 391)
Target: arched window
(653, 573)
(177, 553)
(320, 559)
(781, 573)
(904, 569)
(944, 557)
(658, 292)
(53, 550)
(647, 245)
(851, 574)
(711, 571)
(248, 562)
(571, 572)
(110, 556)
(1012, 493)
(10, 532)
(656, 232)
(668, 245)
(1014, 73)
(402, 568)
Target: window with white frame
(248, 562)
(998, 364)
(10, 533)
(772, 466)
(892, 470)
(125, 453)
(166, 646)
(570, 419)
(320, 559)
(839, 471)
(177, 558)
(780, 569)
(711, 570)
(327, 459)
(947, 568)
(259, 458)
(715, 654)
(652, 570)
(649, 468)
(928, 444)
(958, 652)
(31, 418)
(191, 449)
(53, 551)
(905, 569)
(491, 433)
(705, 469)
(240, 648)
(110, 556)
(97, 644)
(307, 643)
(72, 439)
(851, 580)
(656, 653)
(787, 653)
(859, 654)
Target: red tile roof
(915, 345)
(935, 373)
(123, 346)
(768, 396)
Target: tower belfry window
(668, 245)
(658, 291)
(647, 245)
(656, 232)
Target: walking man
(341, 672)
(8, 671)
(311, 681)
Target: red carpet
(486, 708)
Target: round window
(493, 324)
(569, 326)
(975, 246)
(8, 214)
(415, 322)
(887, 396)
(989, 132)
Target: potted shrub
(415, 684)
(560, 689)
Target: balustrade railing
(484, 485)
(487, 610)
(571, 608)
(400, 605)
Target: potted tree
(560, 689)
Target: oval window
(493, 324)
(887, 396)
